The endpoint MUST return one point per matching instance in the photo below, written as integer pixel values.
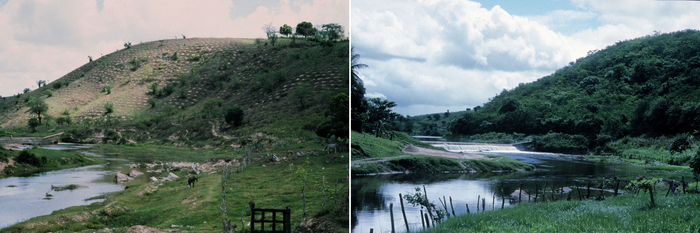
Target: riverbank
(624, 213)
(374, 155)
(12, 165)
(269, 180)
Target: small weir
(466, 147)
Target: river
(25, 197)
(372, 195)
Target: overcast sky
(434, 56)
(46, 39)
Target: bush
(269, 81)
(680, 143)
(58, 84)
(26, 157)
(234, 115)
(109, 108)
(561, 143)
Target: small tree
(211, 107)
(332, 31)
(234, 115)
(33, 123)
(41, 83)
(127, 45)
(27, 90)
(90, 58)
(107, 88)
(286, 30)
(419, 198)
(38, 107)
(109, 108)
(49, 93)
(153, 87)
(300, 94)
(305, 29)
(271, 33)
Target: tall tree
(357, 91)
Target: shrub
(680, 143)
(561, 143)
(137, 62)
(33, 123)
(152, 102)
(107, 88)
(26, 157)
(109, 108)
(58, 84)
(270, 80)
(49, 93)
(234, 115)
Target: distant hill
(647, 86)
(174, 90)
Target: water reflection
(372, 195)
(22, 198)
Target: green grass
(56, 159)
(270, 185)
(626, 213)
(375, 147)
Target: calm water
(372, 195)
(25, 197)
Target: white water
(460, 147)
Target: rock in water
(120, 177)
(135, 173)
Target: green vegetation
(625, 213)
(635, 88)
(270, 184)
(29, 161)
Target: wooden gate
(285, 222)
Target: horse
(191, 180)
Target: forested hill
(647, 86)
(192, 90)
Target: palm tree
(358, 91)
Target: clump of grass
(67, 187)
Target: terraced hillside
(282, 89)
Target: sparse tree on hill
(90, 57)
(211, 107)
(127, 45)
(109, 108)
(41, 83)
(306, 29)
(271, 33)
(27, 90)
(332, 31)
(153, 87)
(300, 94)
(38, 107)
(286, 30)
(49, 93)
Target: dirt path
(411, 149)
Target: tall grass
(626, 213)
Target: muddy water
(22, 198)
(372, 195)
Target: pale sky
(439, 55)
(46, 39)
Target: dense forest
(645, 87)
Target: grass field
(625, 213)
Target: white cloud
(446, 53)
(44, 39)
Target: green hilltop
(178, 91)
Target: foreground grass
(626, 213)
(270, 184)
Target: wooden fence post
(427, 221)
(493, 201)
(483, 204)
(451, 206)
(404, 213)
(391, 214)
(520, 195)
(683, 183)
(617, 185)
(537, 191)
(422, 220)
(478, 198)
(323, 192)
(371, 230)
(467, 208)
(588, 196)
(544, 192)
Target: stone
(135, 173)
(153, 179)
(121, 177)
(171, 176)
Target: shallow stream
(22, 198)
(372, 195)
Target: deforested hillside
(186, 91)
(646, 90)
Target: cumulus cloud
(44, 39)
(450, 53)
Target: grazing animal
(331, 146)
(191, 180)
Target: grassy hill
(636, 90)
(283, 90)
